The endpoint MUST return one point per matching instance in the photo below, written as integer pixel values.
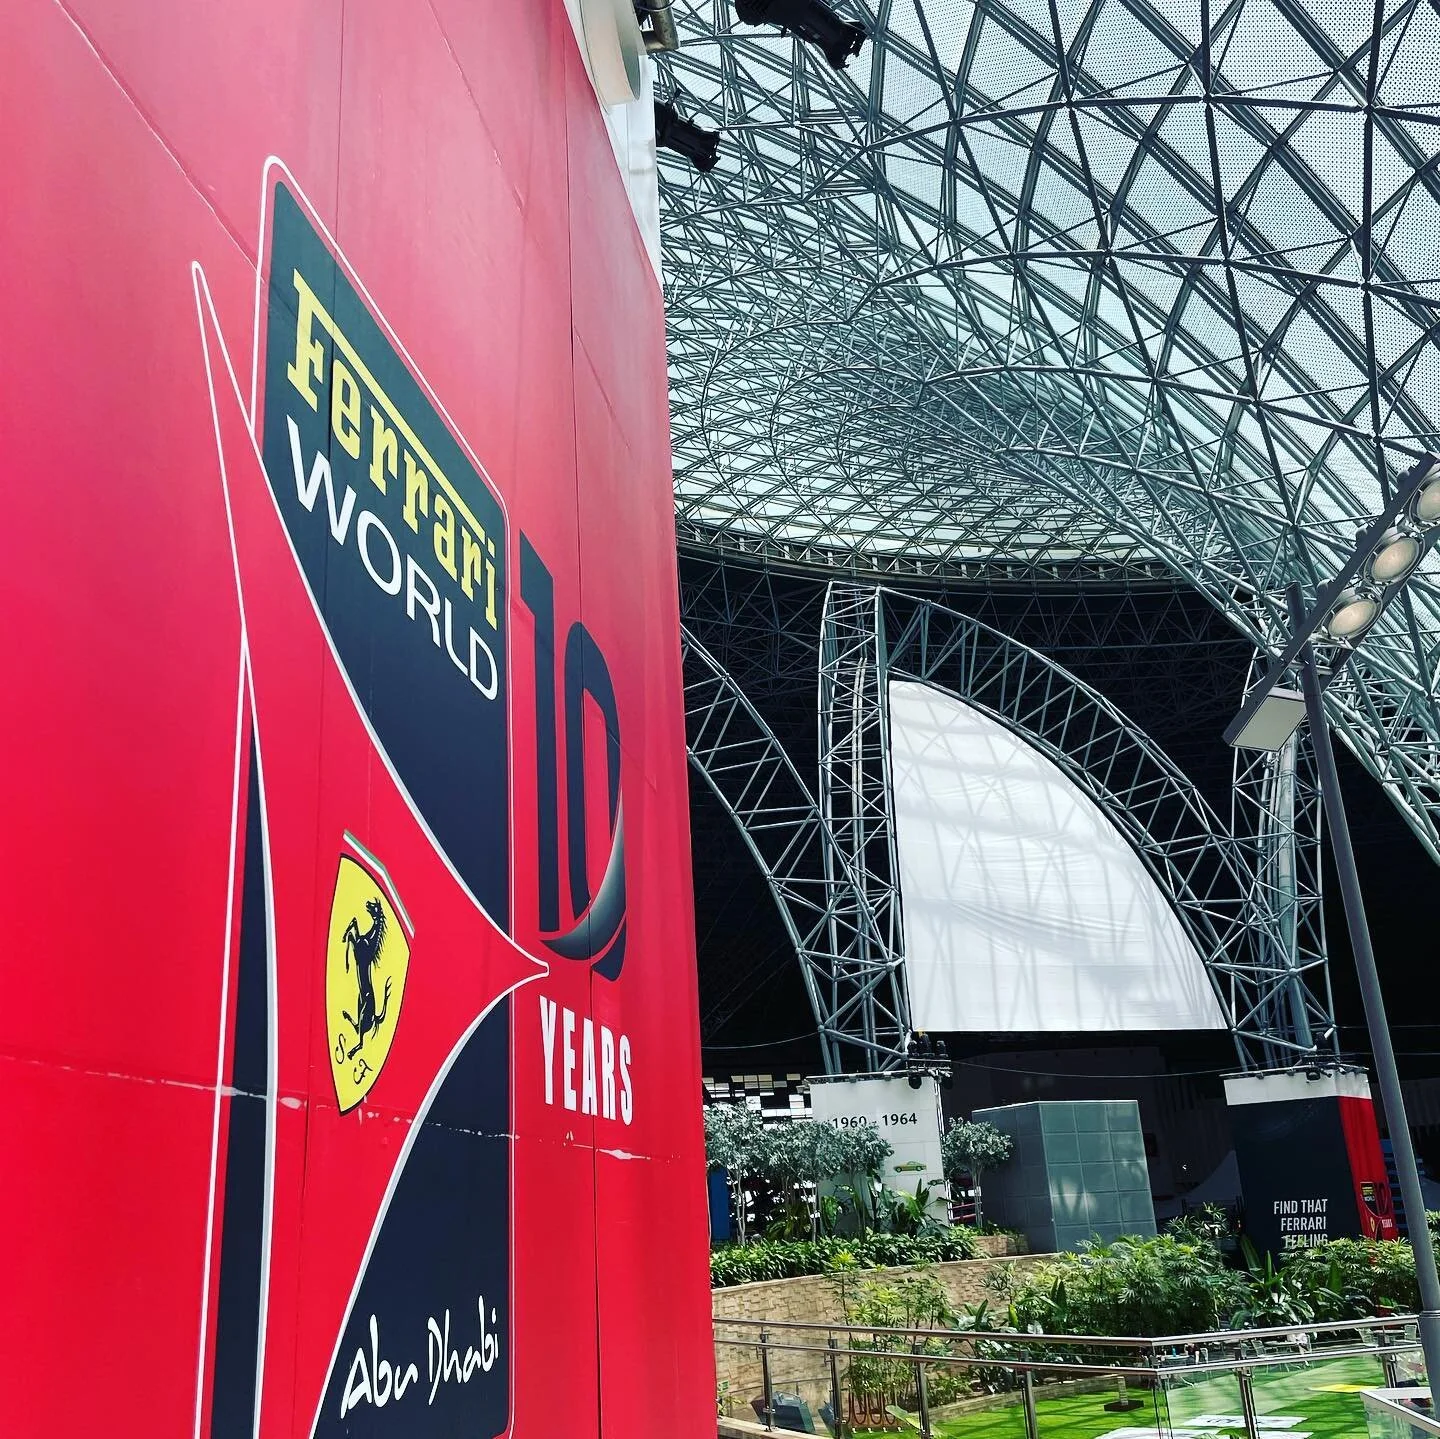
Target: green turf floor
(1302, 1393)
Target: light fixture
(926, 1058)
(810, 20)
(1386, 553)
(1395, 556)
(1354, 612)
(1271, 725)
(610, 38)
(1426, 504)
(674, 132)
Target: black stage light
(811, 20)
(915, 1078)
(674, 132)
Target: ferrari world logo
(371, 562)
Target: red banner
(349, 1037)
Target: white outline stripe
(220, 1046)
(379, 872)
(272, 1074)
(272, 975)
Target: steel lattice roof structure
(1071, 289)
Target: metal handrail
(1048, 1366)
(1162, 1367)
(1103, 1341)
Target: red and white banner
(348, 1048)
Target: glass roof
(1082, 285)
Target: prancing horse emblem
(365, 949)
(368, 956)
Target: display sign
(1311, 1166)
(908, 1118)
(351, 1053)
(1025, 909)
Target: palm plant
(1277, 1295)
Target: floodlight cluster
(1391, 560)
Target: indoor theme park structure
(996, 443)
(1013, 333)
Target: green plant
(1276, 1296)
(1141, 1286)
(788, 1163)
(910, 1301)
(788, 1258)
(988, 1226)
(980, 1318)
(974, 1147)
(1207, 1225)
(1179, 1282)
(862, 1150)
(879, 1208)
(1357, 1277)
(862, 1199)
(794, 1156)
(901, 1212)
(904, 1213)
(829, 1208)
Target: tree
(974, 1148)
(860, 1155)
(863, 1151)
(799, 1153)
(735, 1142)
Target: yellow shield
(367, 956)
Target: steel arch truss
(831, 862)
(821, 906)
(1205, 869)
(868, 998)
(1071, 287)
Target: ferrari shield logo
(366, 959)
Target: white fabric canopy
(1024, 908)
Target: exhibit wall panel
(1024, 908)
(1311, 1166)
(907, 1116)
(349, 1051)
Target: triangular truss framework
(1247, 894)
(1081, 289)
